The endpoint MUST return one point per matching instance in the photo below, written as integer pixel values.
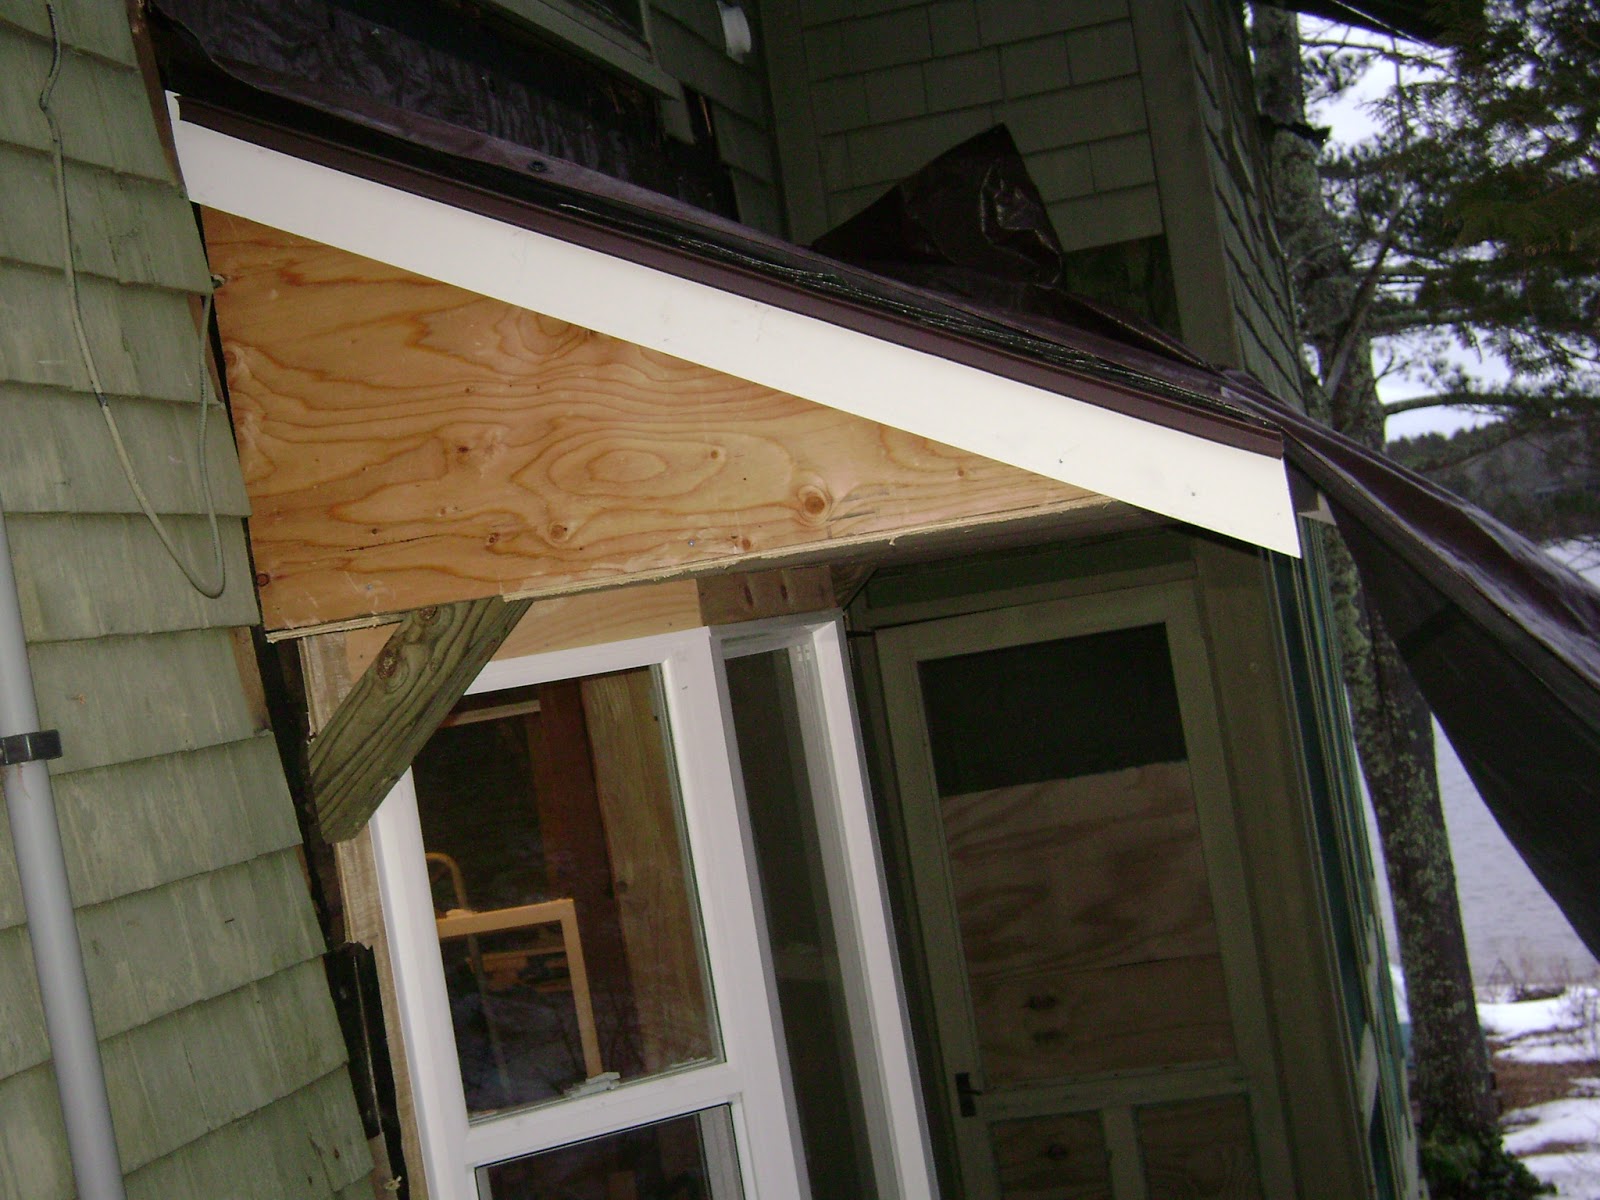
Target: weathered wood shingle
(57, 456)
(133, 826)
(101, 105)
(143, 338)
(101, 575)
(112, 235)
(226, 1062)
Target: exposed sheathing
(890, 85)
(223, 1057)
(1258, 284)
(689, 45)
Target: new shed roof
(564, 242)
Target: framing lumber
(408, 443)
(729, 599)
(563, 622)
(395, 706)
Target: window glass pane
(686, 1158)
(1052, 710)
(562, 891)
(816, 1023)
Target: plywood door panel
(1142, 1016)
(1086, 924)
(407, 443)
(1199, 1150)
(1097, 871)
(1052, 1158)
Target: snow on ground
(1559, 1141)
(1560, 1029)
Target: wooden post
(638, 805)
(569, 819)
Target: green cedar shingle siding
(56, 457)
(887, 87)
(223, 1057)
(1257, 282)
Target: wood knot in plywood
(814, 504)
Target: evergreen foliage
(1473, 215)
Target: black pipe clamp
(22, 748)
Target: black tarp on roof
(1503, 641)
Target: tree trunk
(1393, 728)
(1452, 1088)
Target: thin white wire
(58, 157)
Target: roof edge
(900, 366)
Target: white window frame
(885, 1065)
(750, 1078)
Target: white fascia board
(1233, 491)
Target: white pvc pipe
(57, 953)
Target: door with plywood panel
(1081, 902)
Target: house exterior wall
(1258, 282)
(224, 1061)
(688, 42)
(1135, 117)
(867, 93)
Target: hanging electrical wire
(86, 352)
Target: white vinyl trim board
(1232, 491)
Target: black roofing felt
(1504, 642)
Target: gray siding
(878, 89)
(224, 1060)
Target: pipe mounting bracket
(22, 748)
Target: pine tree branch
(1520, 403)
(1365, 294)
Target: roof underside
(787, 319)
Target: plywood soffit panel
(666, 308)
(407, 443)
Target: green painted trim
(1189, 204)
(985, 581)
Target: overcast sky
(1350, 123)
